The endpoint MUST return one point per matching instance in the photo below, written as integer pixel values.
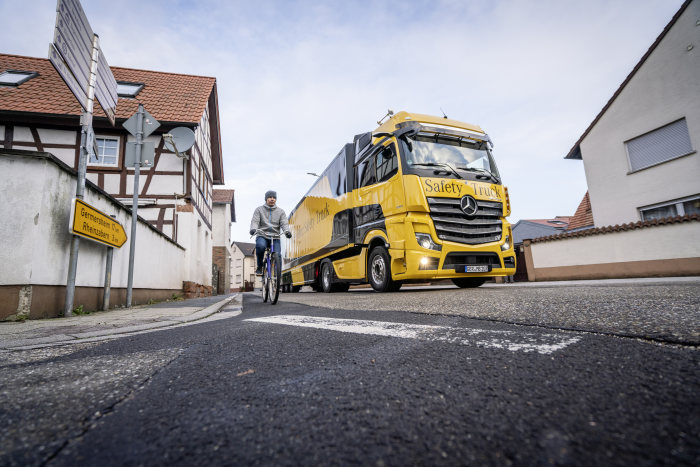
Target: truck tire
(379, 270)
(468, 282)
(326, 278)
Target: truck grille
(453, 225)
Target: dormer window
(125, 89)
(15, 77)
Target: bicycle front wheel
(265, 283)
(276, 273)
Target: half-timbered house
(38, 112)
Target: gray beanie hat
(270, 193)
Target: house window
(682, 207)
(663, 144)
(15, 78)
(125, 89)
(107, 151)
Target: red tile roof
(583, 216)
(620, 228)
(169, 97)
(223, 196)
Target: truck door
(379, 192)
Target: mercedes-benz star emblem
(468, 205)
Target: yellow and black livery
(418, 199)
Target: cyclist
(271, 220)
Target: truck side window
(365, 172)
(387, 163)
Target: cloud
(298, 79)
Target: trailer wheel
(326, 279)
(296, 288)
(468, 282)
(379, 273)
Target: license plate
(478, 268)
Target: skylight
(125, 89)
(15, 77)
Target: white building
(640, 152)
(243, 266)
(39, 113)
(224, 213)
(640, 155)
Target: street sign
(148, 153)
(106, 89)
(73, 42)
(62, 67)
(95, 225)
(73, 39)
(149, 124)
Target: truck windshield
(464, 155)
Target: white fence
(667, 248)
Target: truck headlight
(506, 244)
(426, 241)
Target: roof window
(15, 77)
(126, 89)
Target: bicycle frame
(268, 256)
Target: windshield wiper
(440, 164)
(483, 173)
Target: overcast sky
(297, 79)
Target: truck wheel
(380, 270)
(326, 278)
(468, 282)
(296, 288)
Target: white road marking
(508, 340)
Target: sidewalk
(101, 325)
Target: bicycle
(272, 270)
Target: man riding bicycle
(269, 220)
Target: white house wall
(37, 238)
(669, 242)
(221, 225)
(666, 88)
(198, 257)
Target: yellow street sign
(95, 225)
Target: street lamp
(311, 173)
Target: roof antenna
(389, 113)
(443, 113)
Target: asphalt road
(293, 384)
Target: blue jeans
(260, 244)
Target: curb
(94, 336)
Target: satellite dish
(179, 140)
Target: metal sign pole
(108, 279)
(135, 205)
(86, 128)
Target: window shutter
(660, 145)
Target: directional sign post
(75, 53)
(93, 224)
(141, 124)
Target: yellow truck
(418, 199)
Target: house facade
(39, 113)
(641, 214)
(640, 153)
(224, 213)
(243, 267)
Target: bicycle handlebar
(265, 234)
